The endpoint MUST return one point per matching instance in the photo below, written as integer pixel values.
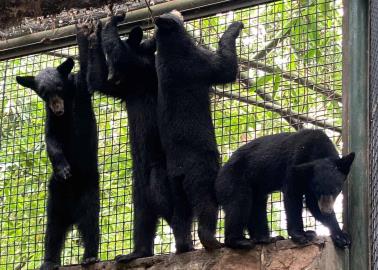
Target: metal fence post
(356, 124)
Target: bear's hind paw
(89, 261)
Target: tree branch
(265, 96)
(277, 109)
(273, 44)
(297, 125)
(293, 77)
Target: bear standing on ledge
(302, 163)
(130, 68)
(71, 141)
(185, 74)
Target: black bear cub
(185, 74)
(299, 164)
(71, 141)
(128, 73)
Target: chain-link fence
(374, 131)
(290, 55)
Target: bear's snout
(56, 105)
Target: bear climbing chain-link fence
(290, 55)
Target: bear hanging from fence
(128, 73)
(185, 73)
(302, 163)
(71, 141)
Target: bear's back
(266, 162)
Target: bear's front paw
(97, 28)
(341, 240)
(95, 36)
(84, 28)
(115, 20)
(64, 172)
(49, 266)
(235, 28)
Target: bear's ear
(164, 22)
(135, 36)
(27, 81)
(303, 170)
(178, 14)
(66, 67)
(344, 163)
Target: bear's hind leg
(145, 222)
(182, 217)
(200, 190)
(160, 193)
(207, 214)
(236, 214)
(88, 226)
(55, 235)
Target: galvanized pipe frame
(65, 36)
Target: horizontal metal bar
(65, 36)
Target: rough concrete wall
(284, 255)
(14, 10)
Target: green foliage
(310, 49)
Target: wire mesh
(290, 77)
(374, 133)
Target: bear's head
(52, 85)
(325, 178)
(170, 22)
(145, 48)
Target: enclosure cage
(292, 76)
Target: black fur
(302, 163)
(71, 141)
(186, 72)
(132, 78)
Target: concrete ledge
(283, 255)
